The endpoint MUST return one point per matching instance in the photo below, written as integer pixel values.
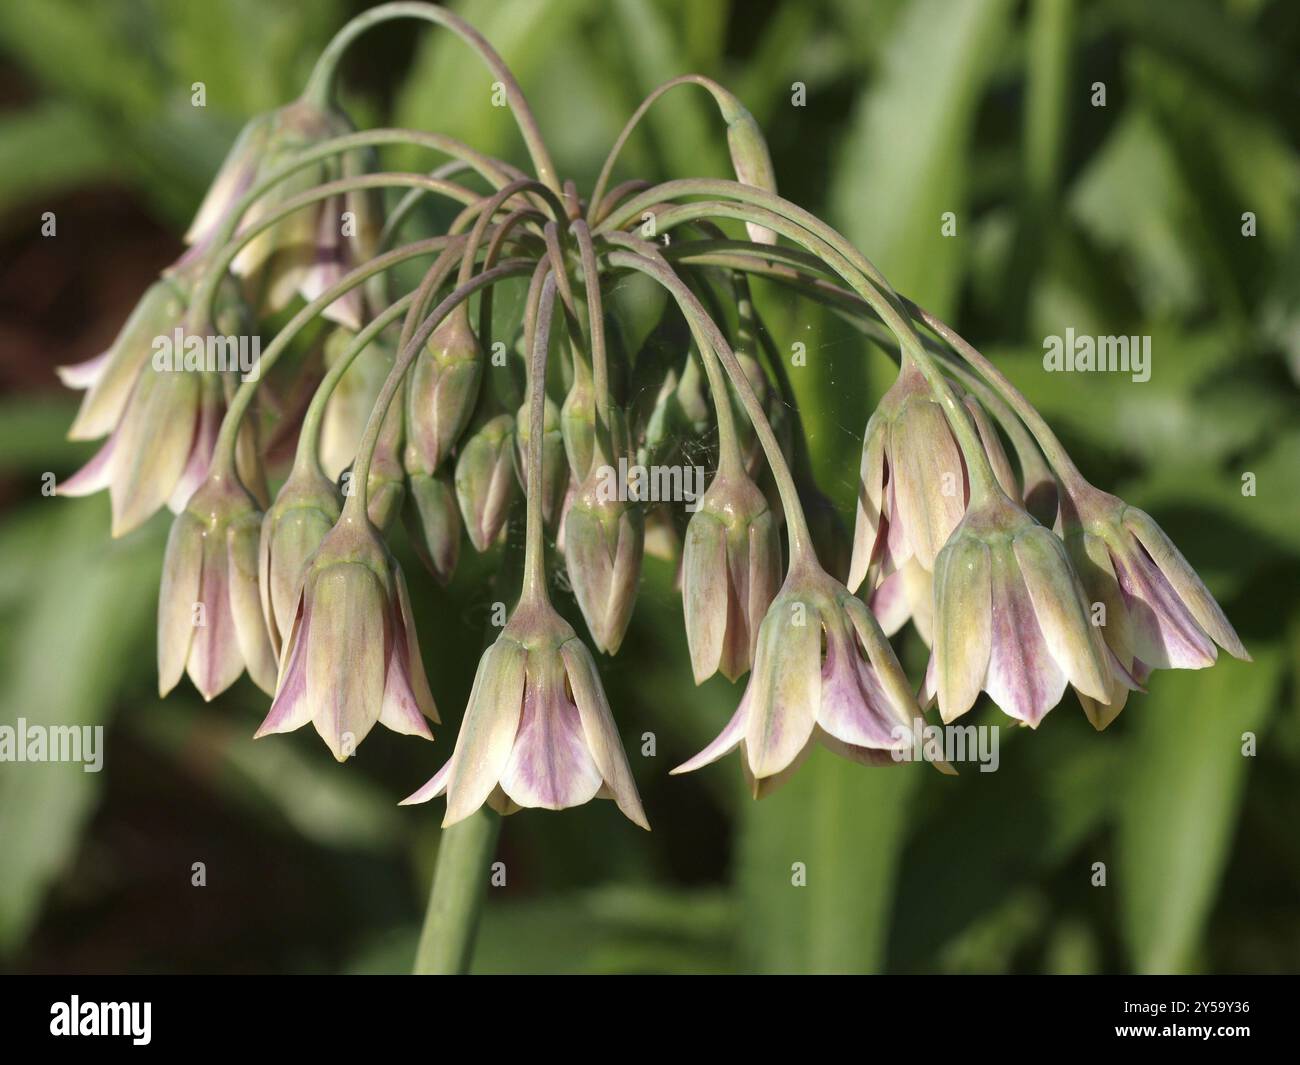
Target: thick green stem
(460, 881)
(320, 87)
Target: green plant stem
(757, 206)
(801, 550)
(726, 101)
(224, 450)
(320, 86)
(730, 460)
(355, 507)
(762, 260)
(460, 880)
(534, 589)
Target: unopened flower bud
(731, 570)
(433, 522)
(354, 395)
(604, 539)
(441, 391)
(485, 480)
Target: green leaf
(1182, 801)
(904, 165)
(89, 609)
(845, 824)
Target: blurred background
(1125, 218)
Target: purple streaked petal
(550, 766)
(1023, 677)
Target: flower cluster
(1021, 577)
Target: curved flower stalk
(537, 732)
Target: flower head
(731, 570)
(209, 614)
(1011, 619)
(350, 658)
(538, 732)
(823, 673)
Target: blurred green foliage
(1125, 218)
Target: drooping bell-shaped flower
(210, 622)
(159, 404)
(1011, 619)
(303, 513)
(731, 570)
(311, 248)
(351, 658)
(160, 450)
(441, 391)
(1155, 612)
(485, 480)
(823, 673)
(538, 732)
(109, 378)
(912, 492)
